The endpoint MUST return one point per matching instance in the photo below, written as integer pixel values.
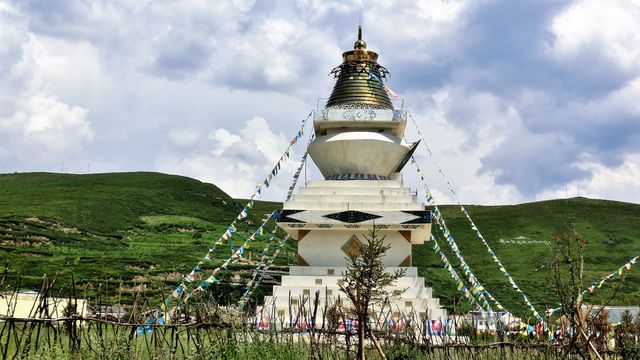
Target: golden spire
(360, 44)
(359, 79)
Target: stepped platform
(294, 301)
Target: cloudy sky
(519, 100)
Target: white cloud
(38, 125)
(604, 127)
(12, 35)
(275, 55)
(235, 162)
(223, 139)
(43, 130)
(244, 5)
(619, 183)
(168, 85)
(461, 127)
(420, 30)
(615, 183)
(269, 144)
(605, 28)
(67, 69)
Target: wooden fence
(102, 327)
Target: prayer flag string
(476, 286)
(598, 284)
(265, 263)
(296, 176)
(181, 291)
(234, 257)
(469, 295)
(473, 225)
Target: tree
(626, 336)
(365, 282)
(567, 268)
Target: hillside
(522, 237)
(108, 203)
(147, 227)
(127, 227)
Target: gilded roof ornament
(359, 79)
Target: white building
(32, 305)
(360, 151)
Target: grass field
(522, 237)
(132, 228)
(138, 228)
(109, 341)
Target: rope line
(598, 284)
(473, 281)
(454, 275)
(181, 291)
(265, 264)
(473, 225)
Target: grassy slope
(122, 226)
(611, 230)
(153, 225)
(108, 203)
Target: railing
(360, 115)
(397, 104)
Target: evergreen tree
(365, 283)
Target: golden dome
(360, 44)
(359, 79)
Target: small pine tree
(365, 282)
(626, 336)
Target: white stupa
(360, 152)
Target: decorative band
(357, 177)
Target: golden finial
(360, 44)
(359, 79)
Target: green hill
(109, 203)
(146, 227)
(121, 226)
(522, 237)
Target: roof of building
(360, 79)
